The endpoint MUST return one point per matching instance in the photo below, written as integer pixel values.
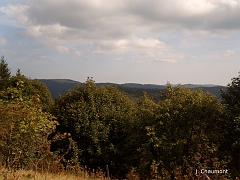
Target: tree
(231, 144)
(5, 74)
(230, 96)
(101, 122)
(24, 129)
(33, 87)
(183, 131)
(147, 116)
(18, 73)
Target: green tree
(230, 96)
(5, 74)
(231, 144)
(24, 129)
(183, 131)
(100, 121)
(33, 87)
(147, 116)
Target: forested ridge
(134, 90)
(175, 137)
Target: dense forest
(183, 133)
(134, 90)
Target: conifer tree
(5, 73)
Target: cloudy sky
(120, 41)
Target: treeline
(135, 91)
(95, 126)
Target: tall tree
(183, 131)
(231, 96)
(231, 145)
(101, 122)
(5, 74)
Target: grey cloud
(112, 26)
(207, 15)
(82, 17)
(118, 19)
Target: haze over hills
(60, 86)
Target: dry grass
(76, 175)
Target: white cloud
(140, 31)
(34, 30)
(49, 35)
(3, 41)
(62, 49)
(197, 7)
(141, 50)
(191, 42)
(16, 15)
(4, 51)
(223, 54)
(79, 53)
(113, 19)
(157, 57)
(52, 30)
(118, 59)
(231, 3)
(130, 45)
(113, 26)
(228, 53)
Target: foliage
(30, 88)
(24, 129)
(33, 87)
(5, 73)
(182, 130)
(231, 143)
(137, 93)
(136, 138)
(177, 135)
(230, 96)
(100, 122)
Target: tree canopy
(231, 100)
(31, 87)
(99, 120)
(179, 129)
(95, 126)
(34, 87)
(24, 128)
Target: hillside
(60, 86)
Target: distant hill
(59, 86)
(134, 90)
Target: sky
(123, 41)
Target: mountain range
(135, 90)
